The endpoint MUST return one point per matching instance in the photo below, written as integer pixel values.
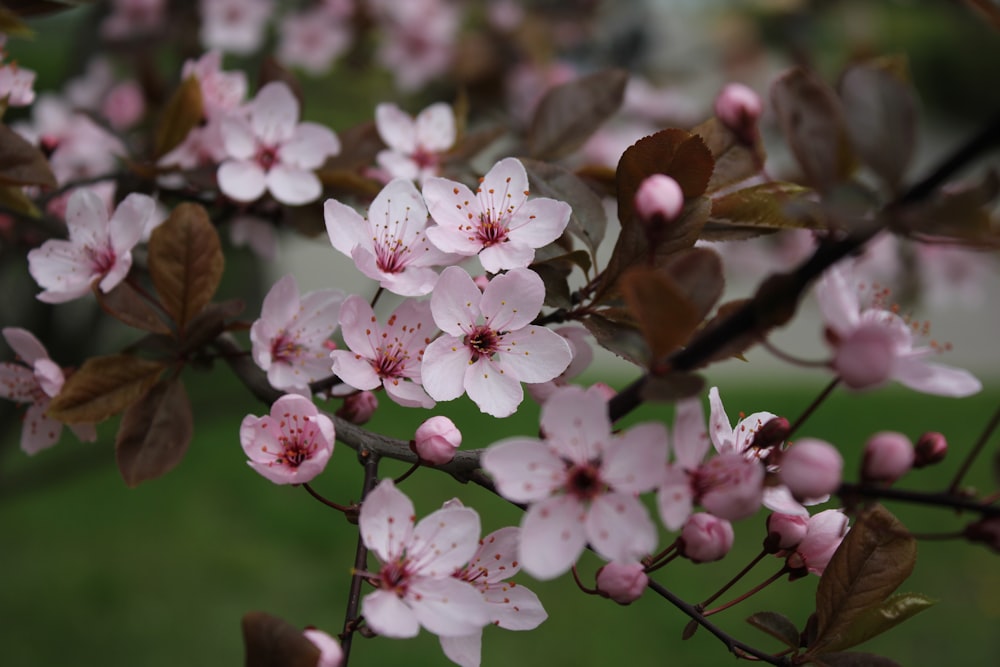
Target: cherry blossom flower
(582, 483)
(17, 85)
(288, 338)
(331, 654)
(313, 39)
(489, 359)
(291, 445)
(511, 606)
(622, 582)
(35, 381)
(415, 583)
(234, 26)
(271, 151)
(391, 246)
(705, 538)
(888, 456)
(418, 39)
(358, 407)
(415, 145)
(220, 91)
(499, 222)
(133, 18)
(738, 107)
(824, 533)
(874, 345)
(811, 468)
(99, 247)
(389, 356)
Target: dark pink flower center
(298, 444)
(266, 157)
(584, 481)
(482, 342)
(101, 259)
(491, 231)
(394, 577)
(285, 349)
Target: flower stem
(406, 474)
(813, 406)
(742, 573)
(579, 584)
(984, 437)
(756, 589)
(370, 462)
(329, 503)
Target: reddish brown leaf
(272, 642)
(588, 219)
(664, 315)
(570, 113)
(778, 626)
(734, 161)
(155, 433)
(697, 273)
(185, 262)
(183, 112)
(102, 387)
(126, 305)
(21, 163)
(618, 335)
(759, 209)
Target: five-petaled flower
(389, 356)
(498, 222)
(99, 247)
(415, 583)
(490, 358)
(291, 445)
(415, 145)
(582, 482)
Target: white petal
(552, 536)
(534, 354)
(274, 113)
(443, 368)
(495, 391)
(619, 528)
(447, 607)
(359, 327)
(87, 217)
(539, 222)
(936, 379)
(524, 470)
(508, 255)
(435, 127)
(690, 437)
(311, 144)
(633, 462)
(237, 137)
(129, 221)
(719, 428)
(455, 302)
(504, 187)
(838, 300)
(389, 616)
(576, 423)
(293, 185)
(464, 651)
(39, 431)
(242, 180)
(409, 394)
(25, 345)
(496, 558)
(345, 227)
(512, 300)
(386, 521)
(354, 370)
(675, 498)
(515, 607)
(396, 128)
(444, 541)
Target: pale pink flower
(124, 105)
(436, 440)
(510, 605)
(313, 39)
(582, 483)
(99, 248)
(234, 26)
(498, 222)
(785, 531)
(133, 18)
(391, 246)
(622, 582)
(291, 445)
(388, 356)
(288, 338)
(220, 91)
(418, 39)
(705, 538)
(17, 84)
(330, 653)
(824, 533)
(202, 147)
(874, 345)
(489, 346)
(415, 583)
(415, 145)
(271, 150)
(35, 381)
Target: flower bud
(986, 531)
(705, 538)
(888, 456)
(811, 468)
(784, 531)
(358, 408)
(738, 108)
(771, 434)
(436, 440)
(659, 199)
(931, 448)
(622, 582)
(825, 532)
(124, 105)
(865, 357)
(330, 653)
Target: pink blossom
(35, 381)
(489, 359)
(415, 145)
(358, 407)
(330, 653)
(578, 339)
(389, 356)
(622, 582)
(659, 199)
(124, 105)
(738, 107)
(99, 247)
(436, 440)
(288, 338)
(705, 538)
(498, 223)
(291, 445)
(415, 583)
(874, 345)
(785, 531)
(133, 18)
(17, 85)
(511, 606)
(271, 150)
(313, 39)
(202, 147)
(888, 456)
(391, 246)
(811, 468)
(418, 38)
(931, 448)
(825, 532)
(234, 26)
(582, 483)
(220, 91)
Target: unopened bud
(931, 448)
(436, 440)
(811, 468)
(330, 653)
(784, 531)
(705, 538)
(622, 582)
(358, 408)
(771, 434)
(888, 456)
(738, 108)
(659, 200)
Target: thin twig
(984, 437)
(370, 462)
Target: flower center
(394, 577)
(101, 259)
(266, 157)
(295, 447)
(482, 342)
(285, 349)
(584, 481)
(491, 231)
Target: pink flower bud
(358, 408)
(330, 653)
(888, 456)
(771, 434)
(865, 357)
(785, 531)
(931, 448)
(124, 105)
(811, 468)
(705, 538)
(622, 582)
(825, 532)
(738, 108)
(436, 440)
(659, 199)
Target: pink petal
(318, 315)
(534, 354)
(496, 558)
(838, 300)
(936, 379)
(451, 204)
(50, 376)
(87, 218)
(512, 300)
(62, 270)
(389, 616)
(408, 394)
(455, 302)
(514, 607)
(464, 651)
(576, 423)
(396, 128)
(452, 239)
(129, 221)
(411, 281)
(443, 368)
(355, 370)
(274, 113)
(675, 498)
(242, 180)
(539, 222)
(634, 461)
(435, 127)
(84, 432)
(495, 391)
(310, 146)
(504, 187)
(386, 521)
(345, 227)
(237, 136)
(552, 536)
(398, 165)
(447, 607)
(359, 327)
(779, 499)
(39, 431)
(690, 438)
(24, 344)
(619, 528)
(281, 304)
(524, 470)
(117, 273)
(719, 427)
(509, 255)
(293, 185)
(443, 542)
(17, 383)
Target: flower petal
(534, 354)
(447, 607)
(464, 651)
(444, 541)
(396, 128)
(435, 128)
(274, 113)
(389, 616)
(24, 344)
(552, 536)
(514, 607)
(576, 423)
(443, 369)
(619, 528)
(633, 462)
(293, 185)
(345, 227)
(455, 302)
(242, 180)
(311, 144)
(512, 300)
(936, 379)
(386, 521)
(524, 470)
(495, 391)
